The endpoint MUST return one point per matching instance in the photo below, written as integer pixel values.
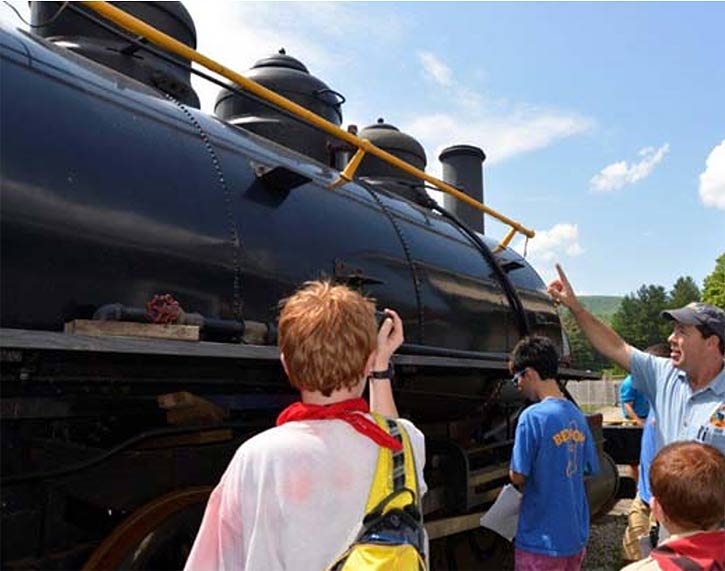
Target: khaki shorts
(639, 522)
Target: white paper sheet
(503, 516)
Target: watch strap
(388, 373)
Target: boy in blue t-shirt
(553, 450)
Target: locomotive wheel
(608, 484)
(158, 535)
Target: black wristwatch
(388, 373)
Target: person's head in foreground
(534, 364)
(327, 339)
(687, 480)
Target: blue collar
(716, 385)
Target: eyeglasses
(517, 376)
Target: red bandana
(700, 552)
(348, 410)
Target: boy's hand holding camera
(390, 337)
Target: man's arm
(390, 337)
(629, 409)
(601, 336)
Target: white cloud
(10, 19)
(552, 245)
(436, 69)
(512, 131)
(712, 180)
(508, 131)
(501, 128)
(620, 174)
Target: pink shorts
(527, 561)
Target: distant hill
(603, 306)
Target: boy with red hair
(687, 480)
(293, 497)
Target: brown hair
(706, 332)
(327, 333)
(688, 480)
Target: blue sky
(604, 123)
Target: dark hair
(538, 353)
(658, 350)
(706, 332)
(688, 480)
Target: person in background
(553, 450)
(635, 408)
(634, 404)
(293, 496)
(688, 497)
(641, 519)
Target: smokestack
(463, 168)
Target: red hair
(688, 480)
(327, 333)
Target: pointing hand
(561, 291)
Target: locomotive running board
(12, 340)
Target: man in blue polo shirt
(553, 450)
(686, 391)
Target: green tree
(683, 292)
(638, 319)
(584, 356)
(714, 287)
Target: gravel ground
(489, 552)
(605, 540)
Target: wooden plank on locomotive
(95, 328)
(55, 341)
(184, 408)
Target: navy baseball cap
(696, 313)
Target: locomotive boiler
(117, 191)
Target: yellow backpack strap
(395, 471)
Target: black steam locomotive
(116, 189)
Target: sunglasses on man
(517, 376)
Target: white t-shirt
(292, 498)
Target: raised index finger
(562, 277)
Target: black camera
(380, 317)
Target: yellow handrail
(140, 28)
(349, 171)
